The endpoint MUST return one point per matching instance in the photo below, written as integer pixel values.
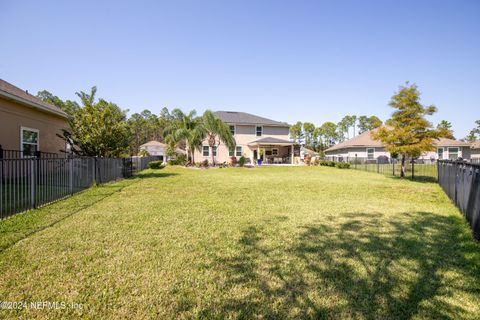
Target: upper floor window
(452, 153)
(259, 131)
(370, 153)
(29, 141)
(206, 151)
(440, 153)
(232, 130)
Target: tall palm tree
(216, 131)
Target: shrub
(342, 165)
(156, 165)
(307, 159)
(181, 160)
(205, 163)
(233, 161)
(327, 163)
(241, 161)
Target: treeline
(330, 133)
(101, 128)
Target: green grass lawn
(276, 242)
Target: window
(238, 151)
(206, 151)
(232, 130)
(29, 141)
(370, 153)
(440, 153)
(231, 152)
(274, 152)
(214, 151)
(452, 153)
(259, 131)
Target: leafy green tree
(472, 136)
(328, 132)
(68, 106)
(368, 123)
(445, 129)
(410, 134)
(353, 123)
(342, 128)
(296, 132)
(215, 131)
(309, 129)
(187, 128)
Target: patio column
(292, 153)
(258, 152)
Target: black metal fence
(28, 183)
(461, 182)
(17, 154)
(419, 169)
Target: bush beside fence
(29, 183)
(461, 182)
(418, 169)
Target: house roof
(235, 117)
(365, 140)
(362, 140)
(153, 143)
(309, 151)
(11, 92)
(271, 141)
(476, 145)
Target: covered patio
(274, 151)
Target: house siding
(13, 116)
(244, 135)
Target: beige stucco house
(28, 124)
(365, 147)
(256, 138)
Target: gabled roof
(271, 141)
(234, 117)
(362, 140)
(153, 143)
(476, 145)
(365, 140)
(11, 92)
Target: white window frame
(237, 154)
(21, 138)
(438, 153)
(274, 151)
(207, 149)
(234, 129)
(256, 131)
(458, 152)
(373, 155)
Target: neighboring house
(156, 148)
(255, 137)
(475, 150)
(364, 146)
(28, 124)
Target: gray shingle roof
(9, 91)
(273, 141)
(235, 117)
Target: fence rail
(28, 183)
(461, 182)
(420, 169)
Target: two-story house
(256, 138)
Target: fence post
(355, 161)
(1, 152)
(378, 166)
(71, 174)
(33, 203)
(393, 167)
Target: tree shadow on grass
(148, 175)
(358, 265)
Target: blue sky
(288, 60)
